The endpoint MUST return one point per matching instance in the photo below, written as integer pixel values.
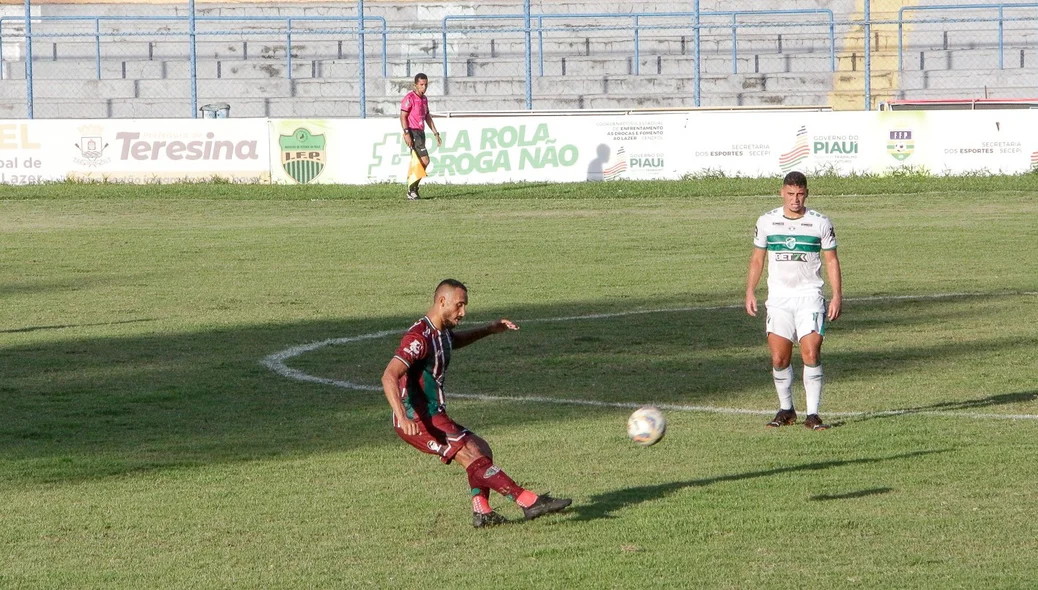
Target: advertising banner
(970, 142)
(163, 150)
(842, 143)
(482, 150)
(534, 148)
(29, 152)
(770, 144)
(134, 150)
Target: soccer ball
(646, 426)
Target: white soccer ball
(646, 426)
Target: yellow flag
(417, 171)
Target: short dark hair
(449, 283)
(795, 178)
(420, 76)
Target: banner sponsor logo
(836, 145)
(21, 158)
(798, 153)
(1034, 159)
(629, 131)
(900, 144)
(16, 136)
(91, 146)
(615, 170)
(303, 154)
(478, 151)
(92, 149)
(737, 150)
(1004, 147)
(132, 147)
(648, 162)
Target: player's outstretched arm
(467, 337)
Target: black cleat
(814, 422)
(545, 504)
(481, 521)
(784, 418)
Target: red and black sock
(481, 500)
(484, 474)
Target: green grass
(144, 445)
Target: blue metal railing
(697, 71)
(868, 54)
(632, 28)
(1001, 20)
(287, 31)
(193, 33)
(637, 26)
(735, 25)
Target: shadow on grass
(67, 326)
(851, 495)
(98, 406)
(951, 406)
(447, 191)
(605, 505)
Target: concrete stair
(585, 65)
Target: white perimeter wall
(538, 148)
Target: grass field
(143, 444)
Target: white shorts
(795, 317)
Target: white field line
(276, 363)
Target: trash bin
(217, 110)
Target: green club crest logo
(303, 155)
(900, 144)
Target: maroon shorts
(437, 435)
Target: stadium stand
(300, 59)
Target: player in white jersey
(795, 240)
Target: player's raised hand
(502, 325)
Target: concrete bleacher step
(85, 90)
(154, 89)
(411, 12)
(460, 45)
(971, 91)
(879, 81)
(967, 59)
(86, 69)
(646, 85)
(582, 66)
(953, 79)
(926, 40)
(685, 65)
(337, 107)
(43, 72)
(500, 88)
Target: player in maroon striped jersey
(413, 384)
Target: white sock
(813, 380)
(784, 386)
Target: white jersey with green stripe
(794, 251)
